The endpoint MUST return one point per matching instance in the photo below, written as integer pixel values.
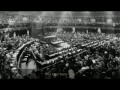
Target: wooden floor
(27, 69)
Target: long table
(79, 51)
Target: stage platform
(57, 42)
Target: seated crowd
(8, 47)
(102, 62)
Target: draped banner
(28, 32)
(99, 30)
(73, 30)
(14, 35)
(86, 31)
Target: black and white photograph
(60, 45)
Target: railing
(16, 55)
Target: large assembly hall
(59, 45)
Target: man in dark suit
(9, 46)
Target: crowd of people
(100, 62)
(86, 58)
(8, 47)
(80, 21)
(97, 62)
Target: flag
(86, 31)
(73, 29)
(99, 30)
(28, 32)
(14, 35)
